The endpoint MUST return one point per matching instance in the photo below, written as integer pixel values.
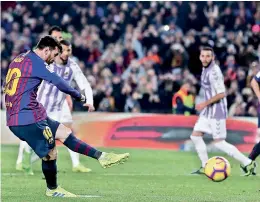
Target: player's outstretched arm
(63, 86)
(60, 83)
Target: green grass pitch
(149, 175)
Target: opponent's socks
(232, 151)
(255, 152)
(20, 153)
(78, 146)
(49, 169)
(34, 157)
(74, 158)
(200, 148)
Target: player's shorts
(63, 116)
(40, 136)
(214, 127)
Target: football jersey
(25, 74)
(212, 83)
(51, 97)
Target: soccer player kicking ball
(56, 106)
(27, 118)
(256, 150)
(213, 115)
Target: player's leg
(76, 165)
(255, 152)
(34, 157)
(49, 162)
(66, 136)
(19, 160)
(219, 135)
(200, 146)
(256, 149)
(23, 162)
(27, 164)
(66, 119)
(43, 143)
(49, 169)
(55, 115)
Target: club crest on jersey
(66, 74)
(50, 68)
(19, 59)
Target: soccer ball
(217, 169)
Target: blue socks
(49, 169)
(255, 152)
(78, 146)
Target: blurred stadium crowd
(136, 55)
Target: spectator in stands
(183, 101)
(238, 107)
(146, 48)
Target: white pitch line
(127, 174)
(158, 174)
(87, 196)
(14, 174)
(136, 174)
(112, 174)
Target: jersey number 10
(11, 86)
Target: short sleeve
(217, 81)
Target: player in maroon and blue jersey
(256, 149)
(27, 118)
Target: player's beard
(207, 65)
(49, 60)
(64, 61)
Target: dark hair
(55, 28)
(48, 41)
(65, 42)
(207, 48)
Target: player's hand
(201, 106)
(91, 108)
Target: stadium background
(137, 54)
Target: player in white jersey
(213, 115)
(55, 104)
